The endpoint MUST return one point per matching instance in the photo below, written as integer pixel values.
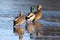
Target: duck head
(39, 7)
(21, 13)
(31, 9)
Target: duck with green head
(30, 15)
(34, 16)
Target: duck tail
(27, 18)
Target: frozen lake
(6, 29)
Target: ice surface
(7, 34)
(6, 29)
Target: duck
(34, 16)
(38, 13)
(18, 20)
(30, 15)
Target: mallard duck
(19, 20)
(34, 16)
(38, 13)
(30, 15)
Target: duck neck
(38, 10)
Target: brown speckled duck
(34, 16)
(38, 13)
(18, 21)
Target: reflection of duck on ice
(33, 28)
(38, 28)
(30, 27)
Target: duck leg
(14, 29)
